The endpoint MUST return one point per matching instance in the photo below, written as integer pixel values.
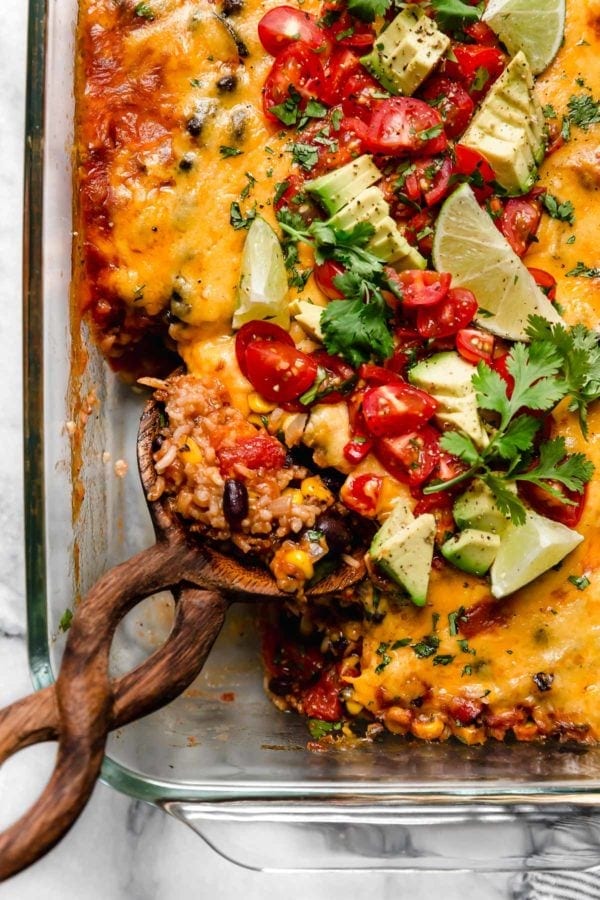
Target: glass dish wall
(234, 770)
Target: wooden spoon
(85, 705)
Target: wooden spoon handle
(83, 696)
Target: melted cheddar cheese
(159, 253)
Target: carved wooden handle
(83, 705)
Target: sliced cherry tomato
(475, 345)
(260, 452)
(448, 317)
(449, 467)
(360, 95)
(427, 180)
(321, 700)
(471, 166)
(568, 513)
(392, 409)
(348, 31)
(292, 190)
(452, 101)
(478, 67)
(258, 331)
(408, 345)
(279, 372)
(357, 449)
(324, 276)
(378, 375)
(339, 67)
(545, 281)
(346, 145)
(298, 68)
(285, 25)
(339, 379)
(519, 222)
(423, 288)
(360, 493)
(403, 125)
(481, 33)
(410, 458)
(419, 231)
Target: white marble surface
(120, 849)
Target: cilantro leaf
(318, 728)
(453, 14)
(508, 502)
(517, 437)
(460, 445)
(562, 211)
(368, 10)
(229, 151)
(583, 271)
(305, 155)
(573, 471)
(237, 220)
(584, 111)
(356, 330)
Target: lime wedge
(535, 28)
(530, 550)
(469, 246)
(263, 286)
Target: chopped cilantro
(453, 14)
(452, 620)
(248, 186)
(467, 670)
(583, 271)
(430, 133)
(584, 111)
(563, 211)
(443, 659)
(549, 111)
(280, 189)
(402, 642)
(427, 646)
(144, 11)
(318, 728)
(226, 152)
(482, 77)
(581, 582)
(305, 156)
(237, 219)
(65, 620)
(464, 646)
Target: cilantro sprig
(356, 328)
(559, 363)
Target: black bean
(186, 162)
(194, 126)
(336, 533)
(332, 479)
(227, 83)
(231, 7)
(543, 681)
(235, 502)
(280, 686)
(157, 443)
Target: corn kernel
(191, 452)
(353, 707)
(255, 419)
(295, 494)
(430, 730)
(314, 487)
(300, 560)
(258, 404)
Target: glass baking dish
(238, 771)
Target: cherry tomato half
(260, 452)
(297, 67)
(440, 506)
(321, 700)
(499, 365)
(478, 67)
(419, 231)
(471, 166)
(481, 33)
(452, 101)
(339, 379)
(475, 345)
(357, 449)
(377, 375)
(279, 372)
(448, 317)
(545, 281)
(410, 458)
(285, 25)
(427, 180)
(519, 222)
(392, 409)
(258, 331)
(339, 67)
(360, 493)
(403, 125)
(545, 504)
(325, 273)
(423, 288)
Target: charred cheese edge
(153, 223)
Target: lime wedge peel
(263, 286)
(536, 28)
(469, 246)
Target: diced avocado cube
(406, 556)
(529, 550)
(335, 189)
(477, 508)
(406, 51)
(449, 379)
(308, 316)
(472, 550)
(369, 206)
(509, 129)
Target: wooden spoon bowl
(85, 705)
